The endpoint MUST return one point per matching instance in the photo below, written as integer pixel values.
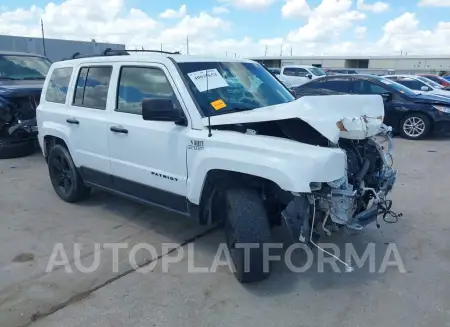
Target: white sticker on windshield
(214, 80)
(387, 82)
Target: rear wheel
(247, 228)
(415, 126)
(64, 176)
(11, 147)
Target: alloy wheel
(414, 126)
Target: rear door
(87, 118)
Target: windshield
(23, 67)
(429, 82)
(317, 71)
(397, 86)
(222, 87)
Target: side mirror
(424, 88)
(387, 96)
(309, 76)
(160, 110)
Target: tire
(65, 178)
(14, 148)
(246, 222)
(422, 125)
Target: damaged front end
(356, 199)
(18, 116)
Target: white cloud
(326, 22)
(220, 10)
(326, 30)
(170, 13)
(403, 34)
(250, 4)
(360, 32)
(376, 7)
(295, 9)
(434, 3)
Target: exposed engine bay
(353, 201)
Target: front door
(148, 158)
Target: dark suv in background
(412, 115)
(22, 76)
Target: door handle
(118, 129)
(72, 121)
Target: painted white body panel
(290, 164)
(164, 148)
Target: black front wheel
(247, 229)
(64, 176)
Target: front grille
(25, 107)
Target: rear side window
(294, 71)
(92, 87)
(337, 85)
(58, 85)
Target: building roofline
(359, 57)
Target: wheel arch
(217, 181)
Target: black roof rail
(155, 51)
(111, 52)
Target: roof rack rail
(155, 51)
(111, 52)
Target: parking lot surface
(33, 220)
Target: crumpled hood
(334, 116)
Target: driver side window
(138, 83)
(367, 87)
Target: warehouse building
(55, 49)
(367, 64)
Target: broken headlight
(338, 182)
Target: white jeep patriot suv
(218, 141)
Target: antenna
(43, 37)
(209, 116)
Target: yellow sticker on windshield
(218, 104)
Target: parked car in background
(340, 71)
(419, 84)
(21, 78)
(297, 75)
(275, 71)
(412, 115)
(447, 77)
(437, 79)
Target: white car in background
(297, 75)
(419, 84)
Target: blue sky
(249, 23)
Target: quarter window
(58, 85)
(138, 83)
(92, 87)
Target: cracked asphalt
(33, 220)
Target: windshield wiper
(231, 110)
(9, 78)
(33, 78)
